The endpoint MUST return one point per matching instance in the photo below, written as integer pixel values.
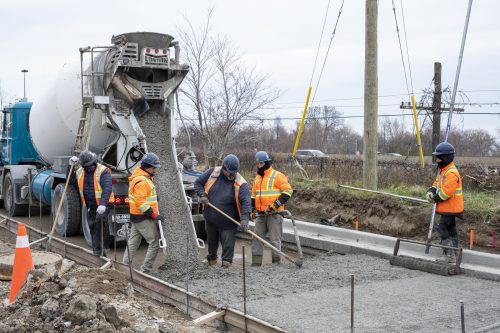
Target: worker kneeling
(96, 190)
(144, 214)
(446, 192)
(227, 190)
(270, 191)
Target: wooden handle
(61, 201)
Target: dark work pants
(447, 228)
(94, 222)
(226, 237)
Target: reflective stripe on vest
(99, 170)
(238, 181)
(151, 199)
(452, 202)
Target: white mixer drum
(55, 116)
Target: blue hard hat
(261, 156)
(231, 163)
(150, 160)
(444, 148)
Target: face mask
(90, 168)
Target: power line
(319, 43)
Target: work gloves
(203, 200)
(274, 206)
(101, 210)
(73, 160)
(244, 225)
(430, 197)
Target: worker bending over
(227, 190)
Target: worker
(226, 189)
(94, 183)
(446, 192)
(270, 191)
(144, 215)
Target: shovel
(297, 262)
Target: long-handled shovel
(298, 262)
(60, 206)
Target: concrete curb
(317, 236)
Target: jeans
(447, 228)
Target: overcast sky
(278, 38)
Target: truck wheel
(68, 222)
(11, 207)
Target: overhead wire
(319, 43)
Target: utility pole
(436, 106)
(370, 100)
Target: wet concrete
(179, 232)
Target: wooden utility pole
(370, 101)
(436, 106)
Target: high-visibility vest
(142, 198)
(99, 170)
(238, 181)
(267, 189)
(449, 190)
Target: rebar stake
(244, 288)
(352, 302)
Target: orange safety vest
(449, 190)
(267, 189)
(142, 193)
(238, 181)
(99, 170)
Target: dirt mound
(86, 300)
(380, 214)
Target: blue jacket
(221, 195)
(88, 188)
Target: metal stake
(102, 235)
(128, 230)
(187, 273)
(352, 302)
(244, 288)
(462, 315)
(114, 230)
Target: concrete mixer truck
(92, 105)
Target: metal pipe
(384, 193)
(352, 302)
(462, 315)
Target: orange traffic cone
(23, 262)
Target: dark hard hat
(444, 148)
(150, 160)
(231, 163)
(87, 158)
(261, 156)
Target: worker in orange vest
(96, 191)
(446, 192)
(270, 191)
(144, 215)
(227, 190)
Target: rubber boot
(276, 260)
(256, 260)
(226, 264)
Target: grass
(486, 203)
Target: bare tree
(222, 91)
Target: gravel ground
(179, 232)
(316, 298)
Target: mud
(383, 215)
(181, 239)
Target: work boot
(226, 264)
(210, 262)
(256, 260)
(276, 260)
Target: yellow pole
(301, 127)
(417, 130)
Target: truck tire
(9, 195)
(68, 222)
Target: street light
(24, 71)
